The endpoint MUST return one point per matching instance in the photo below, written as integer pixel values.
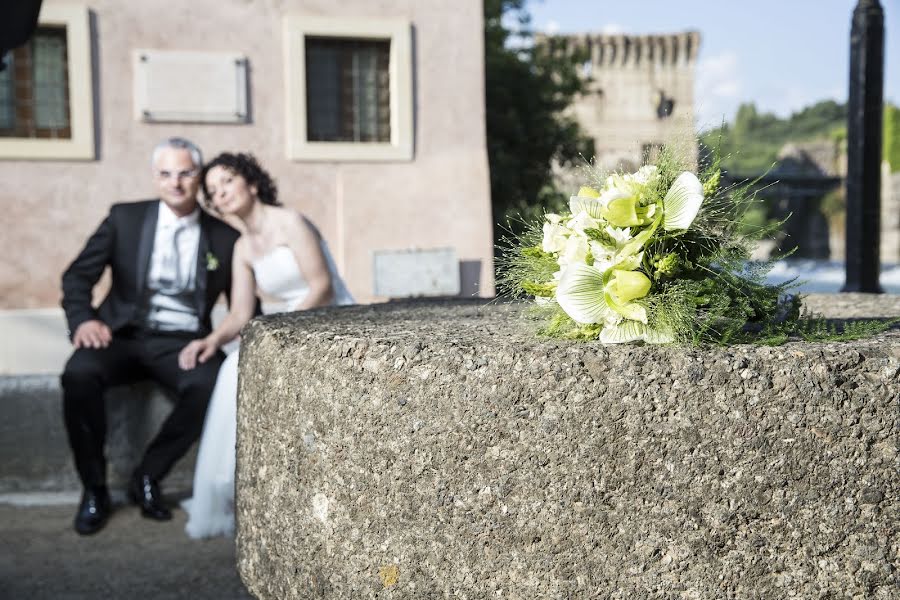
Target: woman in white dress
(280, 254)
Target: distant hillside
(751, 143)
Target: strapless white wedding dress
(211, 509)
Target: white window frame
(76, 19)
(399, 32)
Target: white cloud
(718, 89)
(551, 28)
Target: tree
(528, 87)
(892, 136)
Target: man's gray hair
(181, 144)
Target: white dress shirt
(172, 282)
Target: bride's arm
(240, 310)
(304, 242)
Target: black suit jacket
(124, 242)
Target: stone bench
(433, 450)
(34, 448)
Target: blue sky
(781, 54)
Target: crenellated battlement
(638, 95)
(621, 50)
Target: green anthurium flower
(628, 285)
(615, 282)
(682, 202)
(637, 242)
(580, 294)
(628, 262)
(588, 192)
(625, 212)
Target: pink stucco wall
(440, 198)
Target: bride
(280, 254)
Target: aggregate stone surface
(441, 449)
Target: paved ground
(42, 558)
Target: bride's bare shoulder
(296, 224)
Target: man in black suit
(170, 261)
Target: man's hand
(92, 334)
(198, 351)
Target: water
(822, 276)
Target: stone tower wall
(630, 81)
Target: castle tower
(639, 95)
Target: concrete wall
(445, 451)
(440, 198)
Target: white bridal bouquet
(657, 256)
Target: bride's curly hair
(245, 165)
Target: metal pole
(864, 124)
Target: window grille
(34, 88)
(348, 90)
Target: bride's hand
(198, 351)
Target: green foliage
(528, 86)
(830, 330)
(522, 264)
(752, 142)
(892, 136)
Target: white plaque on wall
(185, 86)
(416, 272)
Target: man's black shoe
(94, 510)
(144, 492)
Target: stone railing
(442, 450)
(34, 448)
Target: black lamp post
(864, 133)
(18, 20)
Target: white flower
(632, 331)
(603, 255)
(613, 193)
(622, 235)
(580, 294)
(553, 218)
(592, 206)
(582, 221)
(555, 236)
(682, 202)
(575, 251)
(644, 175)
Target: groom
(169, 262)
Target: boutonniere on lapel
(212, 262)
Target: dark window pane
(51, 110)
(348, 90)
(34, 89)
(7, 96)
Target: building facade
(370, 116)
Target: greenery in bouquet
(660, 256)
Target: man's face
(177, 180)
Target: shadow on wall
(469, 278)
